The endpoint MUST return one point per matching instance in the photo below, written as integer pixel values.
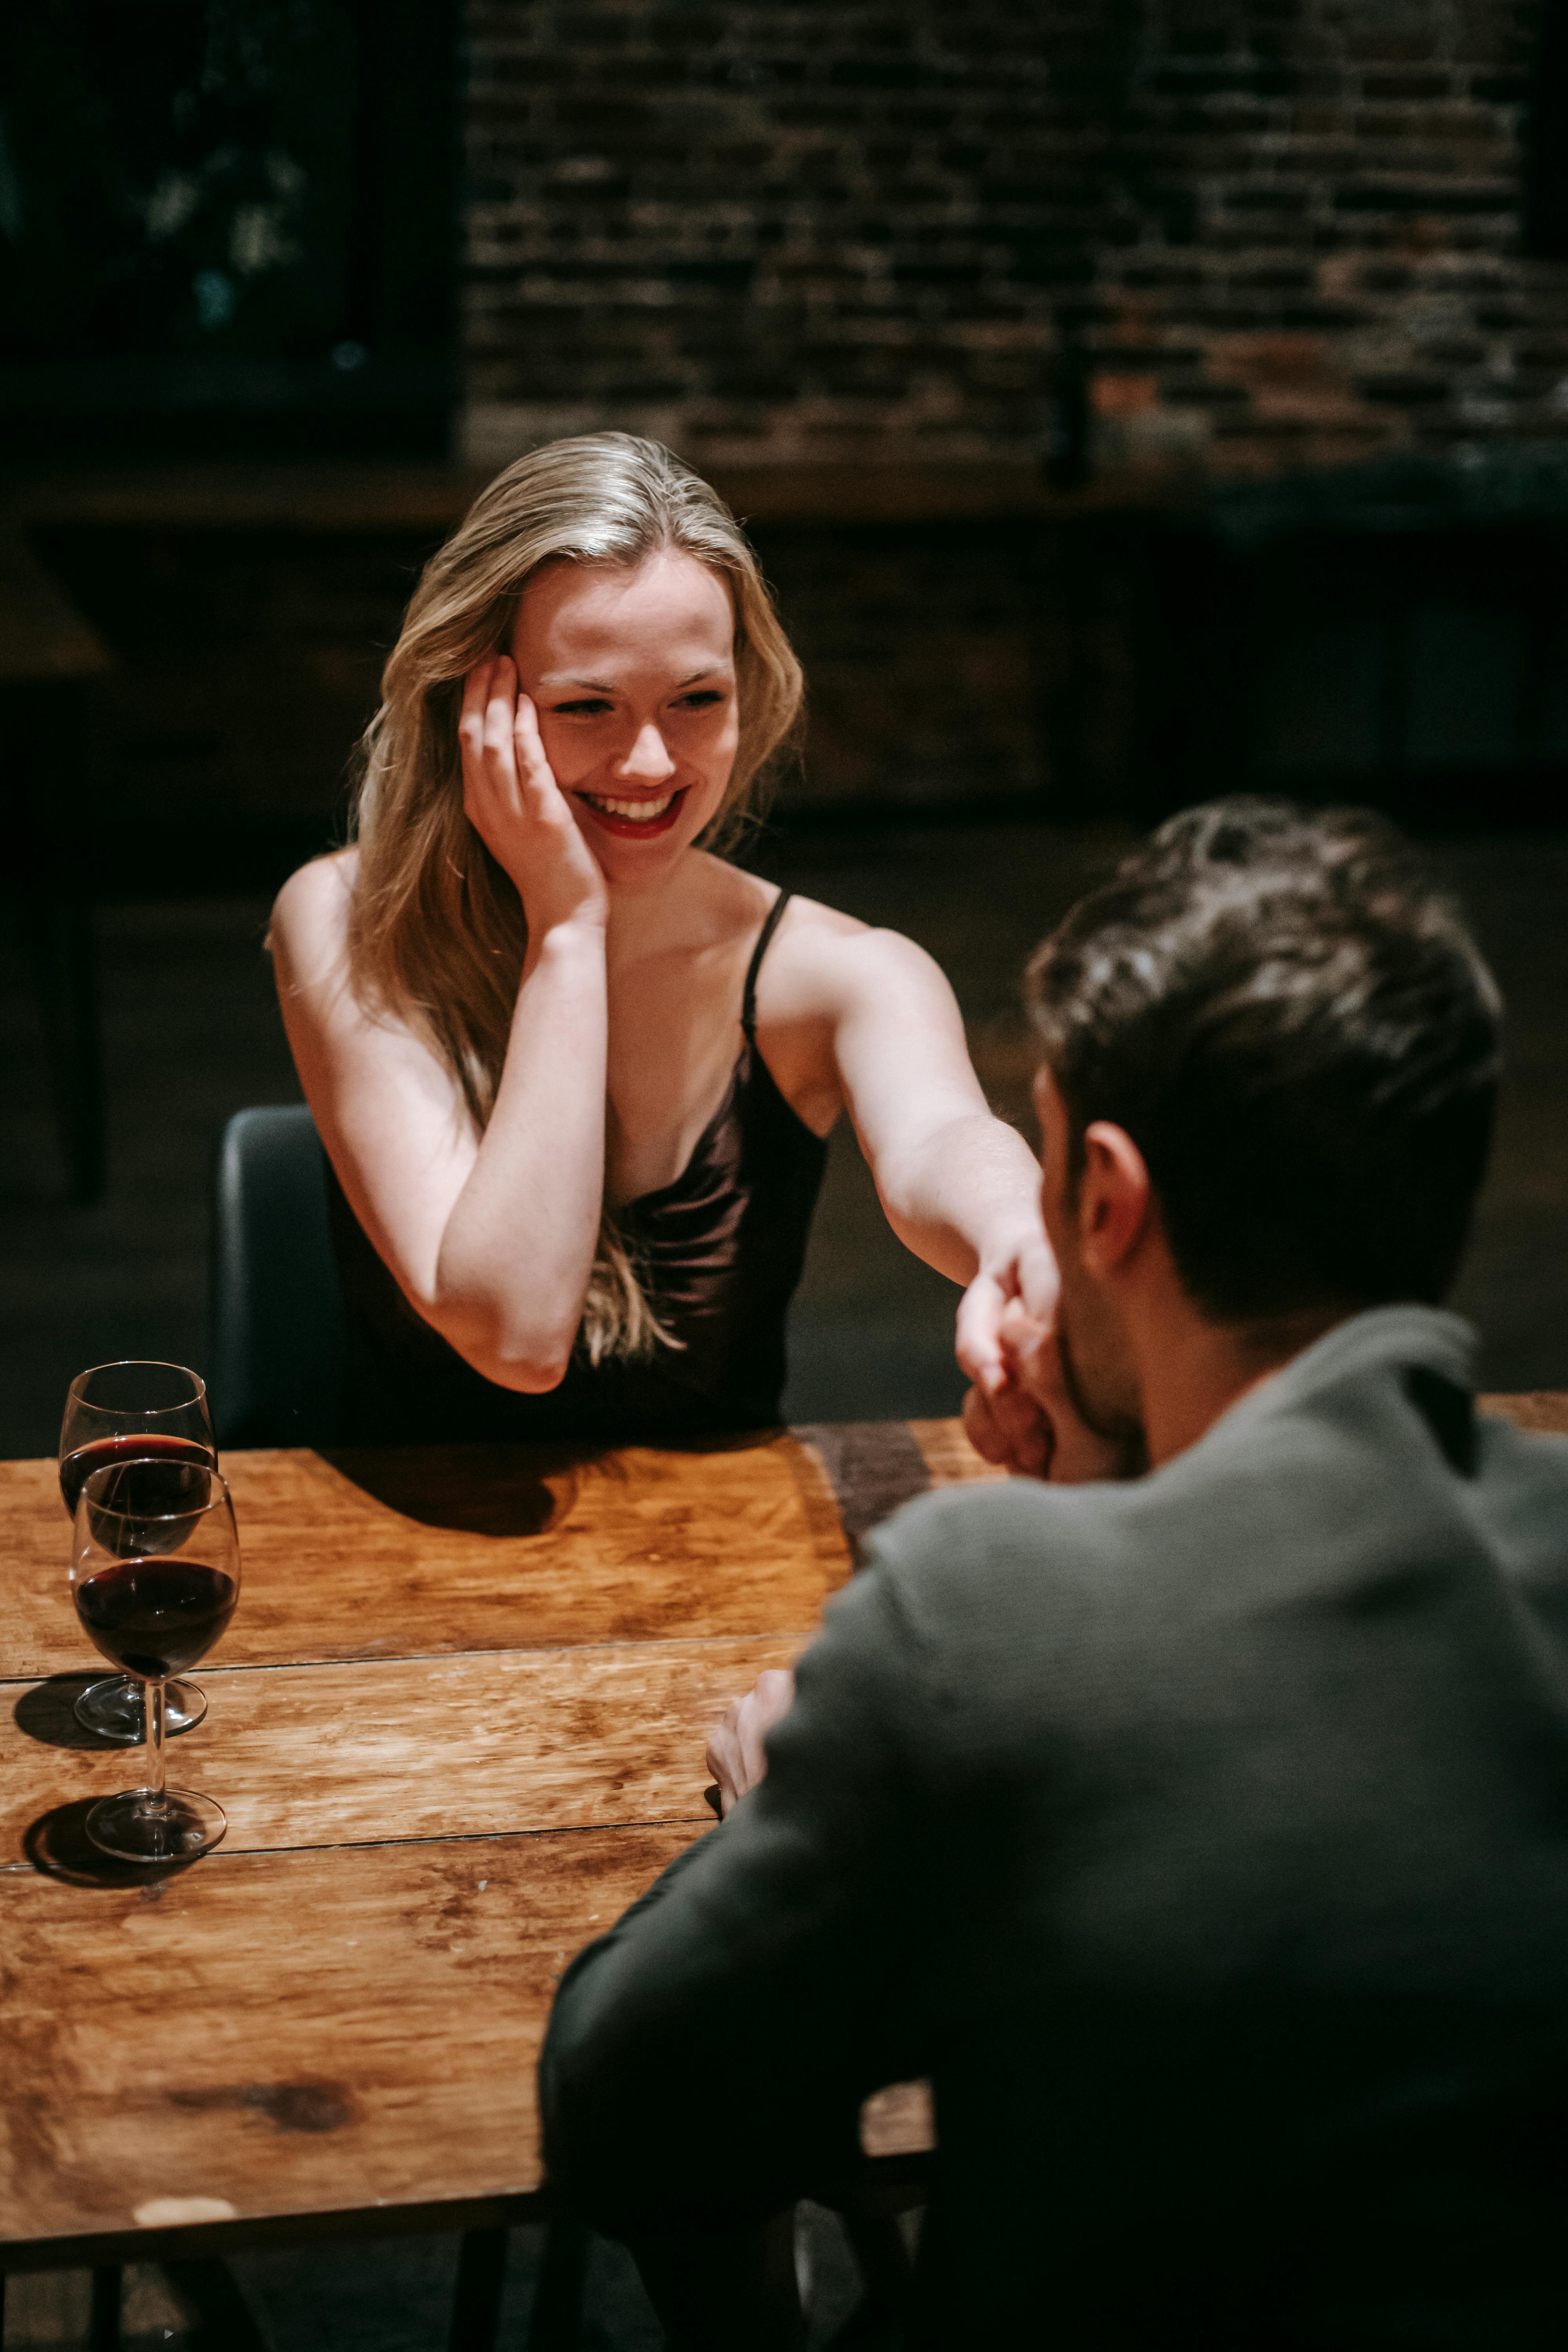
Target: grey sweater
(1205, 1840)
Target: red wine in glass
(101, 1452)
(146, 1412)
(156, 1617)
(155, 1578)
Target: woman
(573, 1071)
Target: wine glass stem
(152, 1698)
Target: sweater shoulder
(961, 1565)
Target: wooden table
(458, 1725)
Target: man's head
(1274, 1023)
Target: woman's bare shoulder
(731, 905)
(310, 914)
(828, 962)
(805, 917)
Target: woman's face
(632, 677)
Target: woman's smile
(635, 819)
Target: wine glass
(152, 1412)
(154, 1576)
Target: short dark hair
(1291, 1020)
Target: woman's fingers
(484, 737)
(500, 719)
(493, 791)
(515, 805)
(475, 694)
(541, 797)
(988, 1315)
(533, 767)
(1006, 1422)
(978, 1343)
(1039, 1283)
(471, 721)
(1018, 1333)
(501, 727)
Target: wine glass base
(138, 1827)
(113, 1708)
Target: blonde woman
(575, 1071)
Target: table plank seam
(442, 1657)
(220, 1855)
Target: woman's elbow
(532, 1363)
(534, 1373)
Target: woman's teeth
(639, 811)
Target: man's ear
(1115, 1198)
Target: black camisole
(720, 1252)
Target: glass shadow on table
(57, 1843)
(58, 1846)
(46, 1711)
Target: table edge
(898, 2176)
(245, 2234)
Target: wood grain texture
(291, 2034)
(1542, 1410)
(473, 1745)
(423, 1550)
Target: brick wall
(1322, 255)
(1256, 231)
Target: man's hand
(1006, 1427)
(736, 1757)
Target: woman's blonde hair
(437, 935)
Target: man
(1202, 1834)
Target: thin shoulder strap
(749, 1001)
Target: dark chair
(275, 1351)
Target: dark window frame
(1545, 211)
(371, 372)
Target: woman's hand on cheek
(515, 805)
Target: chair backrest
(275, 1360)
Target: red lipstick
(631, 828)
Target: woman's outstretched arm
(491, 1238)
(960, 1187)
